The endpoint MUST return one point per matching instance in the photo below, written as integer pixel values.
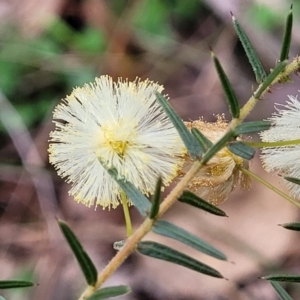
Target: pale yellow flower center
(119, 146)
(113, 138)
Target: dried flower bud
(220, 175)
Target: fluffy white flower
(121, 123)
(284, 160)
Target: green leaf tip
(12, 284)
(280, 291)
(192, 199)
(166, 253)
(256, 65)
(156, 199)
(287, 37)
(291, 226)
(188, 139)
(110, 292)
(232, 101)
(292, 179)
(175, 232)
(141, 203)
(87, 266)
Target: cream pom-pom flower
(221, 174)
(284, 160)
(122, 124)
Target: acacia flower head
(122, 124)
(284, 160)
(217, 179)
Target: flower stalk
(144, 228)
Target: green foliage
(232, 100)
(163, 252)
(203, 141)
(242, 150)
(252, 127)
(192, 199)
(291, 226)
(267, 82)
(172, 231)
(90, 41)
(12, 284)
(286, 42)
(87, 266)
(110, 292)
(282, 277)
(280, 291)
(141, 203)
(256, 65)
(292, 179)
(156, 199)
(190, 142)
(155, 20)
(263, 17)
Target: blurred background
(46, 49)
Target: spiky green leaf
(109, 292)
(12, 284)
(278, 69)
(286, 42)
(190, 142)
(257, 67)
(242, 150)
(156, 199)
(87, 266)
(192, 199)
(203, 141)
(252, 127)
(232, 101)
(163, 252)
(172, 231)
(282, 277)
(141, 203)
(291, 226)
